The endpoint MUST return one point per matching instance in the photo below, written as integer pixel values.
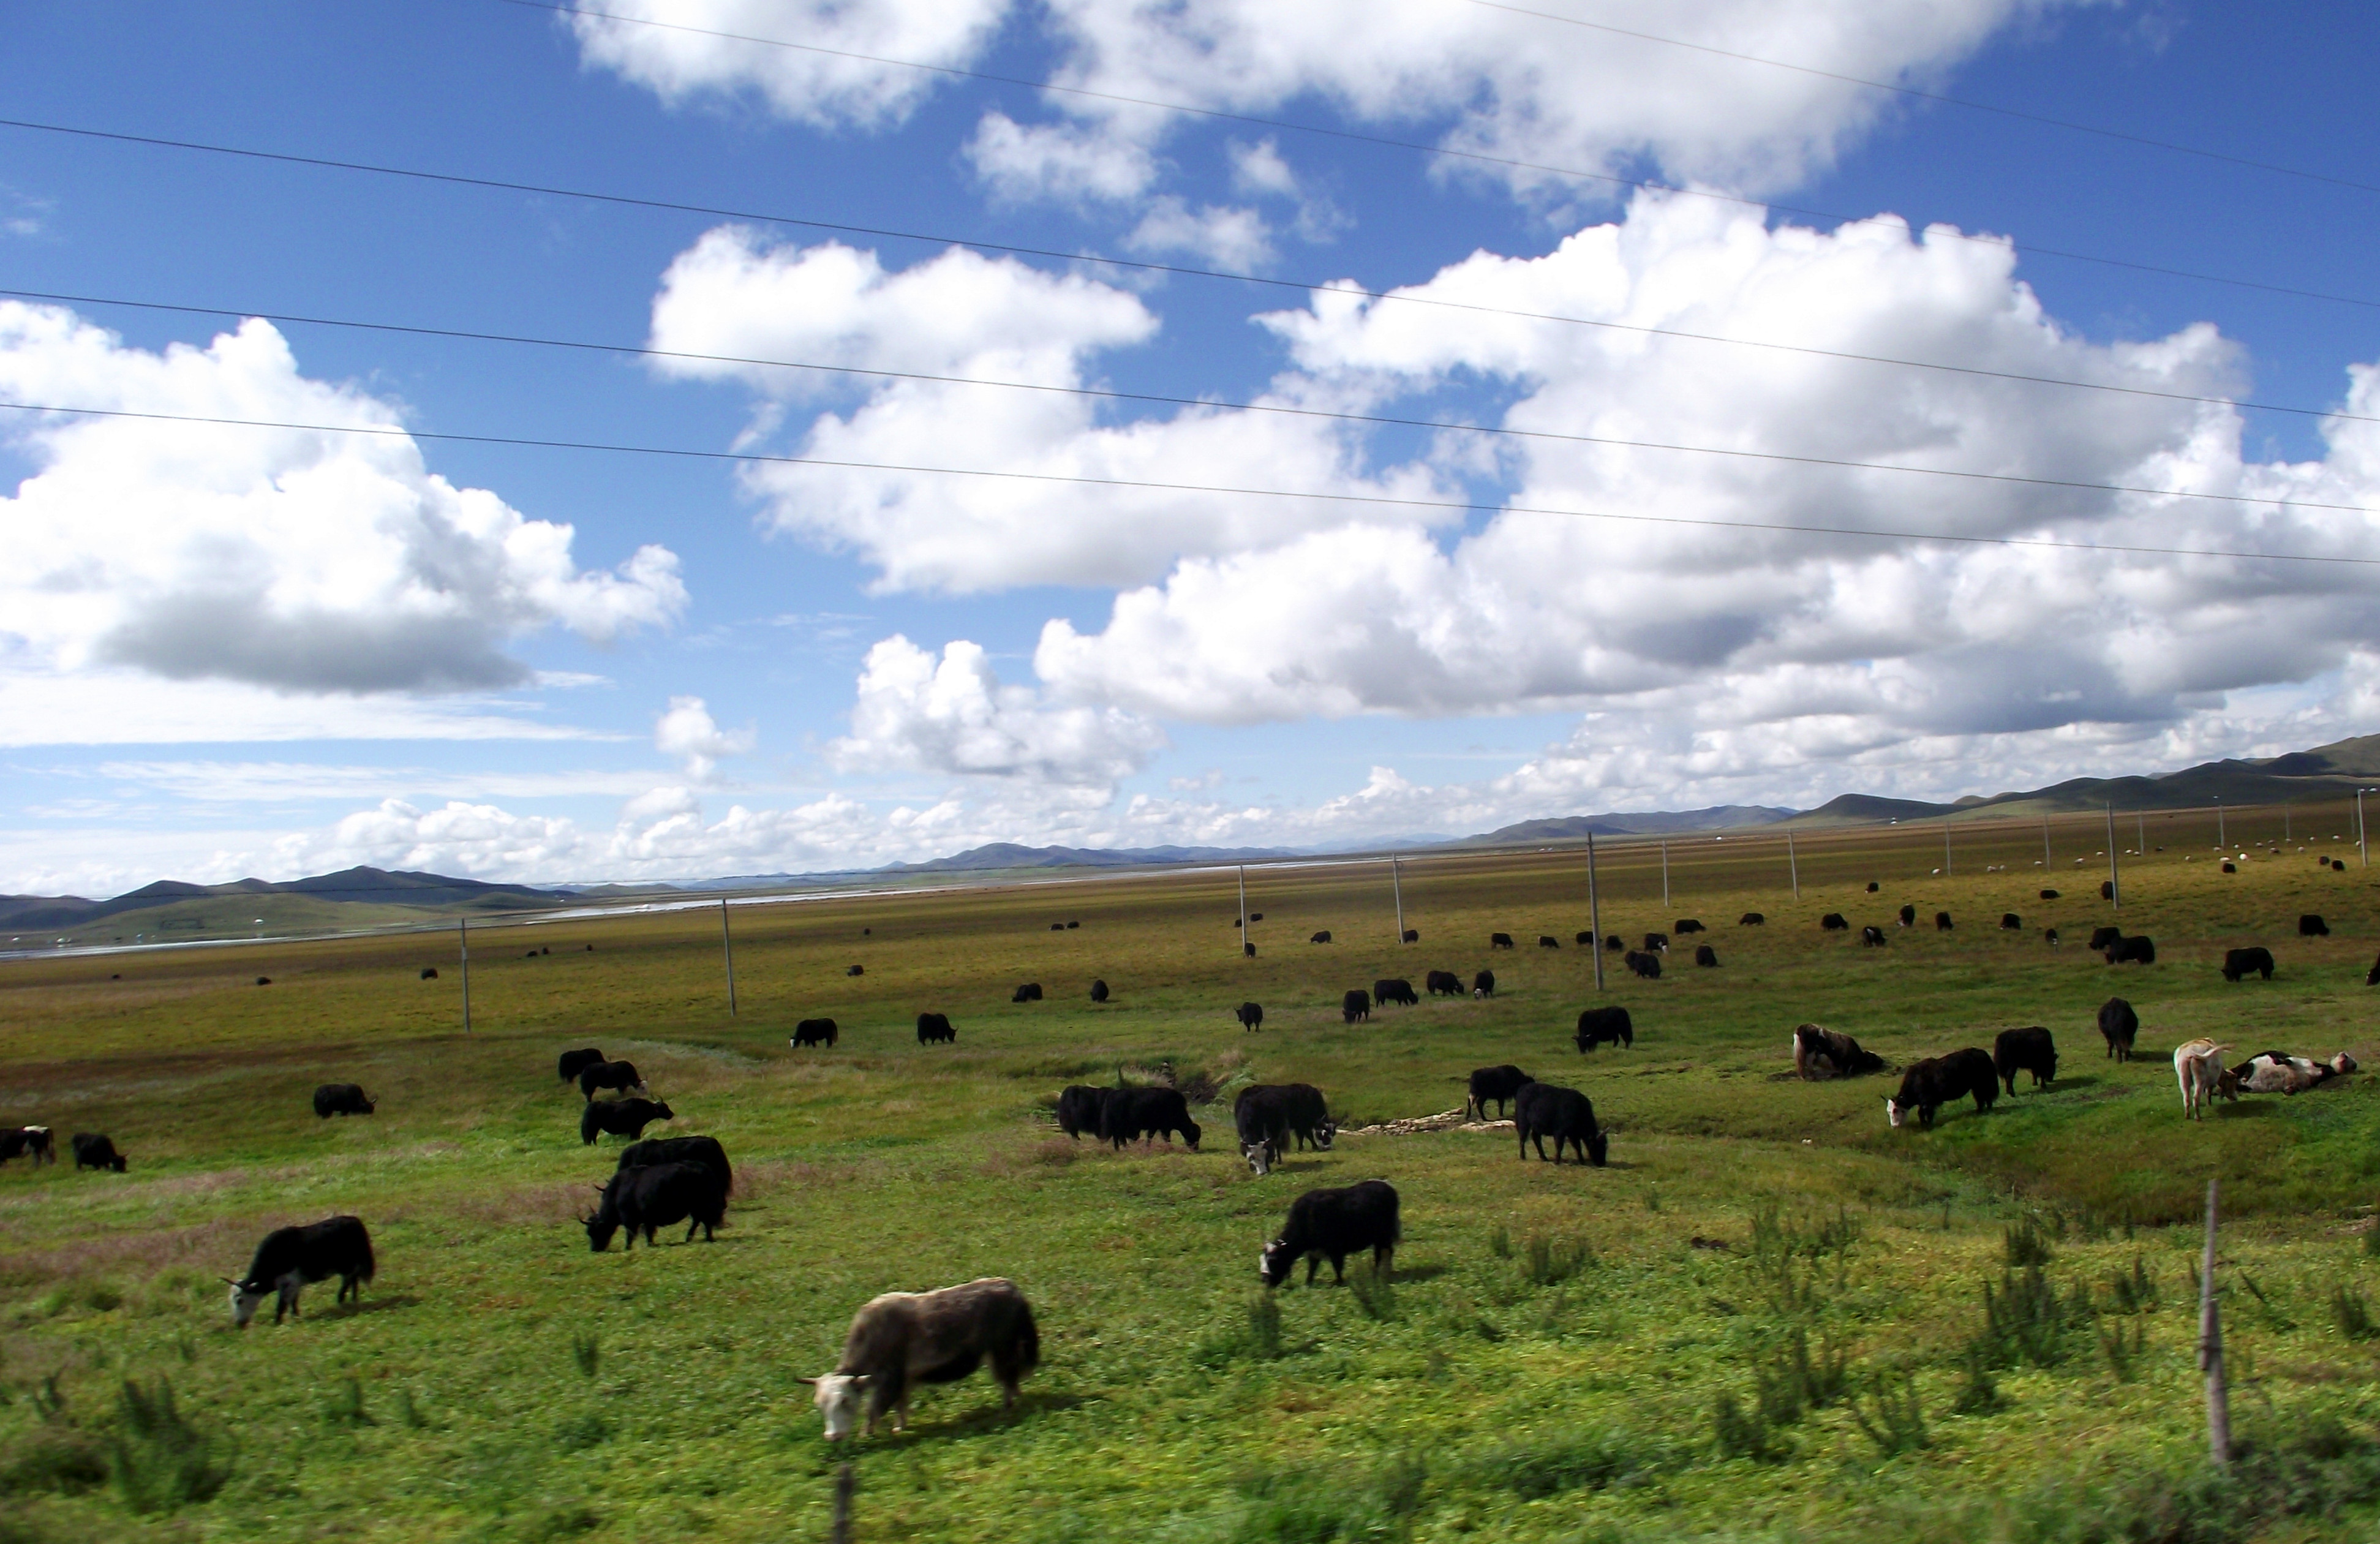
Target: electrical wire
(1110, 395)
(1137, 264)
(1919, 95)
(1512, 163)
(1375, 499)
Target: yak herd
(899, 1339)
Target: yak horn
(811, 1381)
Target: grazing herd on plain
(900, 1339)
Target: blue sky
(229, 649)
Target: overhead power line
(1919, 95)
(1375, 499)
(1483, 157)
(1110, 395)
(1306, 286)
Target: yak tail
(1028, 1341)
(370, 1266)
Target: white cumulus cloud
(688, 731)
(952, 715)
(298, 560)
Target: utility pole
(1243, 908)
(463, 930)
(2286, 838)
(727, 946)
(1665, 874)
(2044, 844)
(2141, 830)
(2360, 846)
(1594, 912)
(2222, 843)
(2115, 887)
(2210, 1350)
(1397, 885)
(1946, 846)
(1793, 864)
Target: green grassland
(1767, 1318)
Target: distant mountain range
(1008, 855)
(370, 886)
(2326, 772)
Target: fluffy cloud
(688, 731)
(291, 559)
(1876, 639)
(702, 51)
(915, 713)
(1486, 79)
(962, 314)
(1226, 235)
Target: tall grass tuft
(1741, 1434)
(2353, 1314)
(2123, 1354)
(1890, 1414)
(2026, 1322)
(2025, 1246)
(1978, 1394)
(159, 1460)
(344, 1406)
(1373, 1296)
(1790, 1382)
(2131, 1292)
(586, 1352)
(1500, 1242)
(1547, 1263)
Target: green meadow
(1770, 1318)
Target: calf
(2278, 1072)
(1647, 967)
(1396, 989)
(2105, 938)
(1497, 1083)
(2198, 1067)
(1686, 925)
(1833, 922)
(2120, 1026)
(2371, 976)
(1547, 940)
(680, 1149)
(1583, 940)
(1483, 984)
(2133, 951)
(1871, 937)
(341, 1099)
(1750, 919)
(2049, 936)
(1029, 992)
(1605, 1025)
(2029, 1049)
(1356, 1006)
(1251, 1015)
(573, 1063)
(1443, 983)
(1099, 991)
(620, 1117)
(934, 1028)
(1332, 1224)
(1820, 1053)
(1500, 941)
(1909, 916)
(1941, 1080)
(2010, 922)
(1614, 944)
(930, 1337)
(1140, 1114)
(1543, 1110)
(18, 1141)
(1706, 956)
(1657, 942)
(2239, 961)
(815, 1031)
(1080, 1109)
(291, 1260)
(658, 1196)
(619, 1077)
(1942, 922)
(1322, 937)
(856, 970)
(1412, 935)
(2049, 894)
(95, 1150)
(1260, 1116)
(2310, 925)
